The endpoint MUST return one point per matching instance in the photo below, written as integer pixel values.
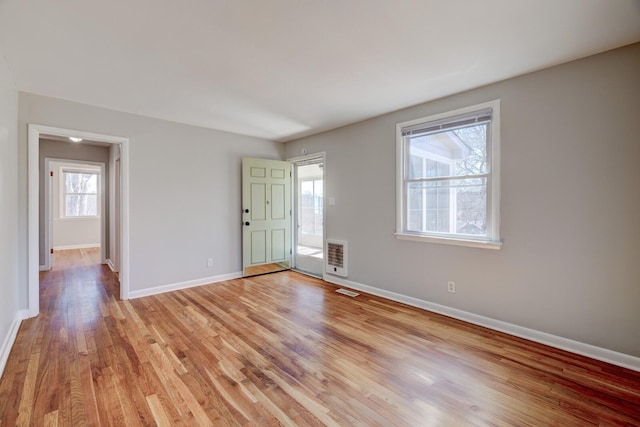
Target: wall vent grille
(336, 257)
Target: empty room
(320, 213)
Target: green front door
(266, 216)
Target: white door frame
(34, 205)
(294, 233)
(114, 216)
(48, 208)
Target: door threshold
(306, 273)
(257, 270)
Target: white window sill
(489, 244)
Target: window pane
(429, 207)
(306, 220)
(81, 182)
(415, 166)
(449, 206)
(311, 202)
(456, 152)
(81, 205)
(306, 194)
(471, 209)
(415, 202)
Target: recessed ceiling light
(75, 139)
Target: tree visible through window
(80, 194)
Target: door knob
(246, 211)
(246, 223)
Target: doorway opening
(75, 209)
(309, 215)
(119, 150)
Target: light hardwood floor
(285, 349)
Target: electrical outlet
(451, 287)
(209, 262)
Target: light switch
(332, 201)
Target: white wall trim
(33, 151)
(85, 246)
(183, 285)
(10, 338)
(110, 265)
(322, 156)
(594, 352)
(50, 216)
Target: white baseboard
(85, 246)
(10, 338)
(111, 266)
(592, 351)
(183, 285)
(44, 268)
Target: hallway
(48, 376)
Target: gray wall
(71, 151)
(184, 190)
(8, 201)
(570, 264)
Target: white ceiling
(281, 69)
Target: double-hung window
(448, 177)
(80, 194)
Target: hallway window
(80, 195)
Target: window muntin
(80, 194)
(448, 179)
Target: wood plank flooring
(285, 349)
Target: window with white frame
(79, 195)
(448, 177)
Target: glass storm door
(309, 182)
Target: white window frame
(62, 200)
(492, 239)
